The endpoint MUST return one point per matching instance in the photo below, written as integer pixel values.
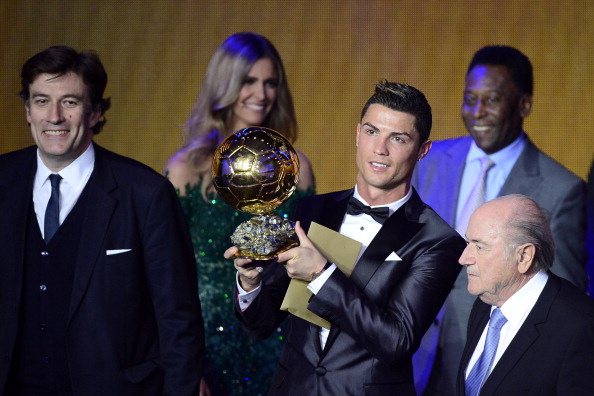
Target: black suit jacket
(553, 351)
(378, 315)
(135, 325)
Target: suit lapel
(525, 176)
(526, 336)
(23, 185)
(478, 320)
(16, 198)
(400, 228)
(333, 209)
(314, 332)
(455, 168)
(396, 231)
(97, 216)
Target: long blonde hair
(212, 114)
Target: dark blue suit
(134, 322)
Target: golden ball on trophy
(255, 170)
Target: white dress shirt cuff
(245, 298)
(316, 285)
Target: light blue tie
(477, 196)
(482, 367)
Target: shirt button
(362, 228)
(43, 326)
(46, 359)
(45, 253)
(43, 287)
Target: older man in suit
(497, 99)
(530, 332)
(402, 277)
(98, 293)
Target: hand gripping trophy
(255, 170)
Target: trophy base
(263, 237)
(247, 254)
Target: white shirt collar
(74, 174)
(392, 207)
(519, 305)
(506, 155)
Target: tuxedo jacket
(562, 194)
(378, 315)
(551, 355)
(134, 324)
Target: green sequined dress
(235, 365)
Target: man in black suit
(402, 277)
(98, 293)
(546, 342)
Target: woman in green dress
(245, 85)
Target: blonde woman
(245, 85)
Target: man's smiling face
(61, 118)
(493, 109)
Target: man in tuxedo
(403, 274)
(497, 98)
(530, 332)
(98, 293)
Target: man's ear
(424, 149)
(525, 105)
(525, 256)
(94, 117)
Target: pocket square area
(393, 257)
(116, 251)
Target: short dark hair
(404, 98)
(514, 60)
(62, 60)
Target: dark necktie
(356, 207)
(52, 212)
(483, 365)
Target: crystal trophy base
(263, 237)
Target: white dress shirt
(516, 310)
(504, 160)
(361, 228)
(74, 179)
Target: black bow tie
(356, 207)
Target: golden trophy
(255, 170)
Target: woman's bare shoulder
(306, 175)
(180, 172)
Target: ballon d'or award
(255, 170)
